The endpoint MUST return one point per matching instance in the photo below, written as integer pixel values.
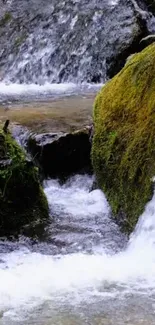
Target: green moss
(22, 200)
(20, 40)
(5, 19)
(123, 152)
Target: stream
(87, 272)
(83, 271)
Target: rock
(89, 43)
(61, 154)
(123, 152)
(22, 201)
(147, 41)
(150, 5)
(139, 31)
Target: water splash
(24, 92)
(29, 280)
(65, 41)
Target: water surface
(88, 273)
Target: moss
(20, 40)
(123, 152)
(22, 200)
(5, 19)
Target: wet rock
(147, 41)
(124, 139)
(61, 154)
(69, 41)
(140, 31)
(150, 5)
(23, 205)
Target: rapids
(23, 92)
(85, 271)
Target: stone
(22, 200)
(90, 42)
(61, 154)
(123, 151)
(147, 41)
(150, 5)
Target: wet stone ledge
(61, 154)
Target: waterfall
(66, 41)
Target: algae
(5, 19)
(20, 40)
(123, 152)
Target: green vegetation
(22, 200)
(123, 152)
(6, 19)
(20, 40)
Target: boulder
(90, 42)
(123, 151)
(150, 5)
(61, 154)
(23, 204)
(116, 63)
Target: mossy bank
(123, 152)
(22, 201)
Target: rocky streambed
(56, 136)
(69, 262)
(64, 114)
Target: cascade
(67, 41)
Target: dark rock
(119, 59)
(61, 154)
(6, 125)
(147, 41)
(150, 5)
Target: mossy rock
(123, 152)
(5, 19)
(22, 201)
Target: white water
(92, 279)
(15, 91)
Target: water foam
(28, 279)
(15, 91)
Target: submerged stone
(22, 201)
(123, 152)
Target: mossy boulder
(123, 152)
(22, 201)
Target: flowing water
(27, 93)
(86, 272)
(68, 41)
